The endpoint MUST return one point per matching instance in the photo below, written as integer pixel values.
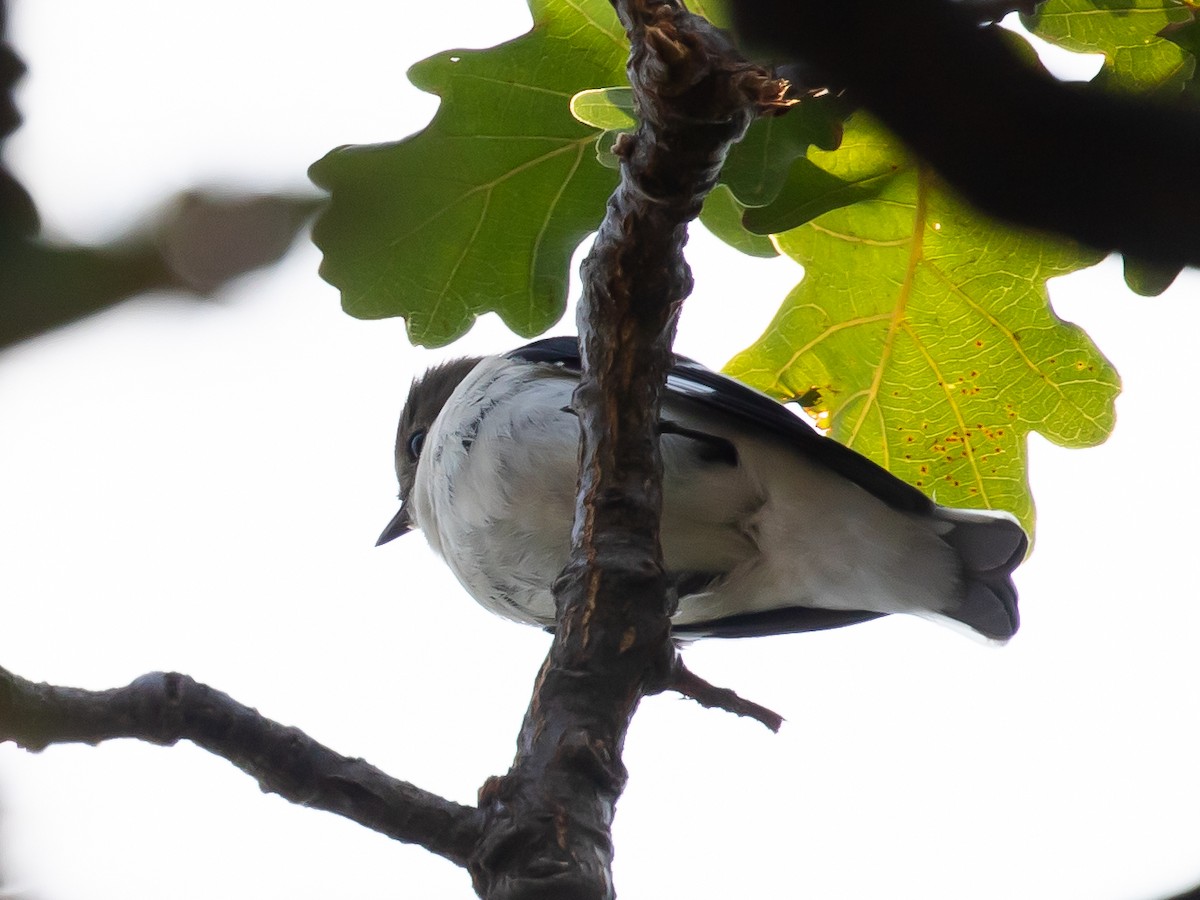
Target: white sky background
(198, 487)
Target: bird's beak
(401, 523)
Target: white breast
(509, 450)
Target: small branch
(1116, 171)
(164, 708)
(689, 684)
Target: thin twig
(686, 682)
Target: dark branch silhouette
(1114, 171)
(164, 708)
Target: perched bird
(768, 527)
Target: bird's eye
(415, 443)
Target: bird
(768, 526)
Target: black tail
(990, 546)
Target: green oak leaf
(861, 168)
(1187, 37)
(1127, 32)
(609, 109)
(606, 149)
(809, 192)
(1186, 34)
(722, 215)
(482, 210)
(757, 166)
(921, 336)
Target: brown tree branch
(686, 682)
(1112, 170)
(164, 708)
(550, 817)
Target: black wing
(789, 620)
(690, 380)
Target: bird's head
(426, 397)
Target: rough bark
(550, 817)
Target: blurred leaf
(1149, 279)
(922, 336)
(209, 238)
(482, 210)
(18, 215)
(722, 215)
(1127, 32)
(609, 109)
(197, 243)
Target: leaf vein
(958, 416)
(619, 41)
(537, 242)
(1012, 339)
(915, 254)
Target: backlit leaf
(482, 210)
(1127, 32)
(609, 109)
(757, 166)
(722, 215)
(921, 335)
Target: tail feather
(990, 546)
